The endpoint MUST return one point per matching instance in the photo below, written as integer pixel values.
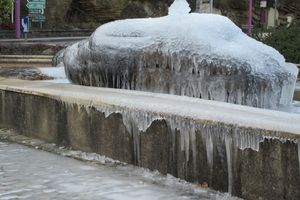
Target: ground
(28, 173)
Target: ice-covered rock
(58, 58)
(199, 55)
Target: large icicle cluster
(213, 134)
(199, 55)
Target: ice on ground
(57, 73)
(199, 55)
(293, 108)
(33, 174)
(189, 117)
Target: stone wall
(271, 173)
(89, 14)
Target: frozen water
(58, 73)
(32, 174)
(179, 7)
(55, 72)
(184, 115)
(199, 55)
(293, 108)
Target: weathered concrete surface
(71, 116)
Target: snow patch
(55, 72)
(179, 7)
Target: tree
(286, 40)
(5, 10)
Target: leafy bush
(5, 10)
(285, 39)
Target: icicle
(207, 137)
(185, 139)
(173, 139)
(247, 140)
(187, 135)
(137, 121)
(210, 151)
(136, 143)
(228, 144)
(194, 148)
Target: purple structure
(17, 18)
(250, 17)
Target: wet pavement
(27, 173)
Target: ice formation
(138, 121)
(218, 124)
(198, 55)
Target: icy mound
(198, 55)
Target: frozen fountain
(198, 55)
(208, 57)
(249, 152)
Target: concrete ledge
(252, 153)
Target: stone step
(13, 57)
(22, 60)
(25, 60)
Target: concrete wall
(271, 173)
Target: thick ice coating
(179, 7)
(199, 55)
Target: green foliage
(285, 39)
(231, 4)
(5, 10)
(297, 96)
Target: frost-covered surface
(162, 104)
(32, 174)
(217, 123)
(294, 108)
(199, 55)
(58, 58)
(57, 73)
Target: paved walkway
(46, 39)
(27, 173)
(64, 41)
